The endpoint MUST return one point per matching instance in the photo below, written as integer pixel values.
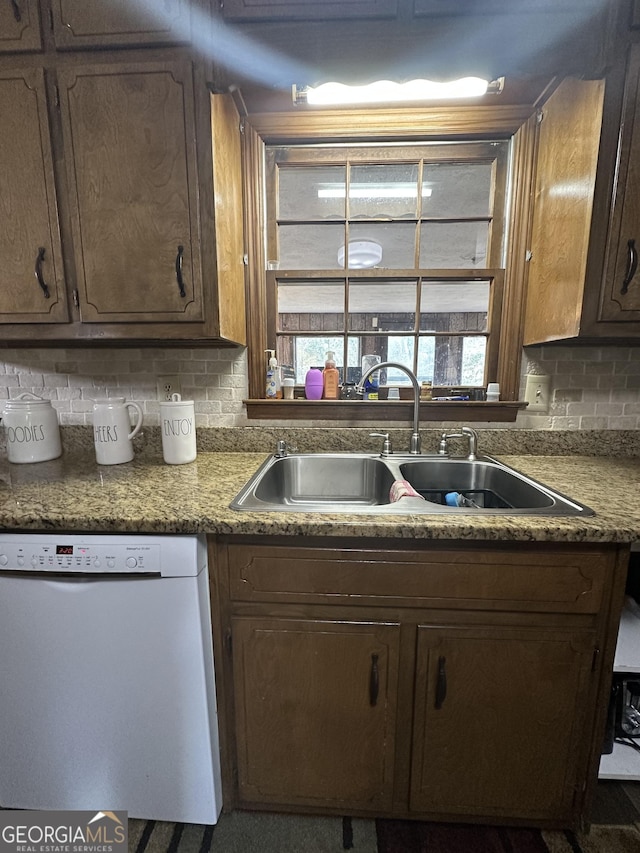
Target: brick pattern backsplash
(591, 387)
(216, 379)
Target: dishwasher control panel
(62, 553)
(65, 555)
(162, 555)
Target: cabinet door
(131, 162)
(308, 9)
(119, 23)
(315, 712)
(498, 7)
(621, 297)
(29, 233)
(19, 26)
(498, 719)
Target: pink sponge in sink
(402, 489)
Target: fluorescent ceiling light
(386, 91)
(373, 191)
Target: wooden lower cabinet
(315, 720)
(499, 714)
(363, 678)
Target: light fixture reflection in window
(386, 91)
(372, 191)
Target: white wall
(591, 387)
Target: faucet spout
(414, 446)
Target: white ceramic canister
(178, 427)
(31, 428)
(112, 432)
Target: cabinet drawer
(529, 578)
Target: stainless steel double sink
(361, 483)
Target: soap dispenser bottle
(273, 387)
(331, 378)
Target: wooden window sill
(385, 410)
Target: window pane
(383, 192)
(310, 247)
(400, 349)
(453, 245)
(454, 306)
(474, 352)
(311, 306)
(361, 346)
(426, 350)
(452, 360)
(311, 192)
(303, 353)
(384, 305)
(458, 190)
(397, 241)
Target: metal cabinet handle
(41, 281)
(632, 265)
(179, 271)
(17, 14)
(441, 684)
(374, 681)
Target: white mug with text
(112, 432)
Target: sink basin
(487, 484)
(360, 483)
(318, 481)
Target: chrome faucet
(465, 432)
(414, 447)
(281, 449)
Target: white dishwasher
(107, 687)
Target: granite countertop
(73, 493)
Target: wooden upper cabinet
(568, 137)
(583, 281)
(308, 9)
(131, 163)
(29, 231)
(229, 217)
(19, 26)
(621, 294)
(119, 23)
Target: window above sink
(389, 250)
(338, 274)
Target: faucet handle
(387, 450)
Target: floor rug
(255, 832)
(421, 837)
(615, 829)
(398, 836)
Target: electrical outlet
(536, 392)
(168, 385)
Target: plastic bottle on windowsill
(493, 392)
(273, 387)
(331, 378)
(313, 384)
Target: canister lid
(26, 401)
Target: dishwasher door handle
(71, 577)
